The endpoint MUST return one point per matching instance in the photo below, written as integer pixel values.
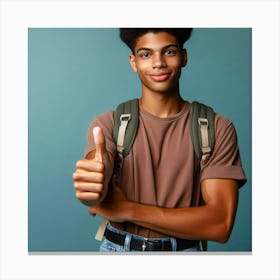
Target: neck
(161, 105)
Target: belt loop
(173, 243)
(127, 242)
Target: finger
(88, 187)
(99, 141)
(93, 177)
(87, 196)
(89, 165)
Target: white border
(17, 16)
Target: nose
(159, 61)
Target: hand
(92, 176)
(115, 207)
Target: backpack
(201, 128)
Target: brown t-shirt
(162, 169)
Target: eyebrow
(165, 47)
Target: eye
(170, 52)
(145, 55)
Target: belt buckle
(144, 244)
(152, 245)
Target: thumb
(99, 141)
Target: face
(158, 60)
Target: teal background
(75, 74)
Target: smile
(160, 77)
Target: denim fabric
(108, 246)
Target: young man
(156, 204)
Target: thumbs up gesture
(99, 140)
(93, 174)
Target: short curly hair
(130, 35)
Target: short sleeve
(106, 122)
(225, 161)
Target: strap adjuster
(205, 147)
(203, 122)
(125, 117)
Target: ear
(184, 55)
(132, 61)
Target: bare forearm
(202, 223)
(212, 221)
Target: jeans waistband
(138, 243)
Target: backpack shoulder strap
(125, 126)
(202, 130)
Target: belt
(144, 244)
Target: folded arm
(212, 221)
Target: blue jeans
(108, 246)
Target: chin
(164, 90)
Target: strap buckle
(205, 147)
(203, 122)
(125, 117)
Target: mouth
(160, 77)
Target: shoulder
(106, 116)
(222, 122)
(104, 119)
(106, 122)
(224, 126)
